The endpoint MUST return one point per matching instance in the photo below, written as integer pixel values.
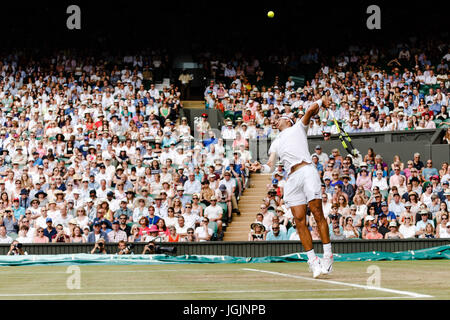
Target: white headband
(286, 117)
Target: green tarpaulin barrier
(442, 252)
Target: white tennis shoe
(315, 267)
(327, 264)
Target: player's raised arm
(314, 108)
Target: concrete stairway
(249, 206)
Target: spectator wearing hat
(323, 157)
(383, 224)
(97, 233)
(334, 214)
(389, 214)
(328, 188)
(446, 194)
(373, 233)
(279, 169)
(364, 179)
(223, 196)
(257, 233)
(49, 231)
(24, 200)
(347, 187)
(10, 222)
(203, 126)
(393, 233)
(116, 234)
(396, 205)
(18, 211)
(422, 223)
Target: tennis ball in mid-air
(270, 14)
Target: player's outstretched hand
(255, 166)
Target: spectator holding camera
(10, 223)
(60, 235)
(15, 249)
(124, 248)
(99, 247)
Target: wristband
(319, 102)
(265, 169)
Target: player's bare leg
(299, 213)
(316, 208)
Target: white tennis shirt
(291, 146)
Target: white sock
(327, 250)
(311, 254)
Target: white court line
(365, 298)
(408, 293)
(109, 271)
(159, 292)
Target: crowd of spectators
(405, 88)
(91, 149)
(368, 197)
(365, 198)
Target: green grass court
(425, 279)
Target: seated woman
(257, 233)
(393, 231)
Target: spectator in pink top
(395, 179)
(364, 179)
(40, 238)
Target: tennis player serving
(303, 186)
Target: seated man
(214, 213)
(276, 234)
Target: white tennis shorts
(302, 186)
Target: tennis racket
(345, 139)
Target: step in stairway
(249, 206)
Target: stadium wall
(390, 143)
(244, 249)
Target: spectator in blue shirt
(276, 234)
(319, 167)
(93, 185)
(50, 231)
(385, 210)
(435, 107)
(37, 160)
(429, 171)
(18, 211)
